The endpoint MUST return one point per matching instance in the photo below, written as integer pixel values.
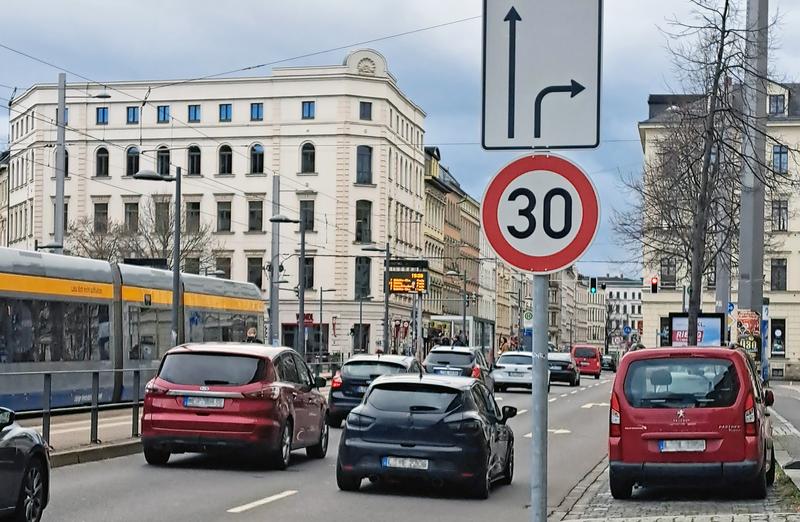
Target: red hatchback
(588, 358)
(216, 397)
(690, 416)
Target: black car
(607, 362)
(24, 470)
(564, 368)
(460, 360)
(353, 379)
(433, 428)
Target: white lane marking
(100, 426)
(267, 500)
(573, 392)
(520, 412)
(87, 422)
(604, 381)
(499, 398)
(591, 404)
(564, 394)
(551, 400)
(556, 431)
(584, 388)
(788, 424)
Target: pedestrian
(252, 336)
(504, 346)
(457, 341)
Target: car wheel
(508, 473)
(155, 456)
(335, 421)
(620, 489)
(280, 456)
(319, 450)
(31, 497)
(758, 487)
(482, 484)
(346, 481)
(771, 472)
(597, 377)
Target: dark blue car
(24, 470)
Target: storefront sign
(748, 332)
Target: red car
(238, 397)
(588, 358)
(690, 416)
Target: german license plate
(203, 402)
(584, 363)
(680, 446)
(404, 463)
(516, 374)
(359, 389)
(446, 371)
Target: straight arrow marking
(574, 88)
(512, 18)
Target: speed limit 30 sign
(540, 213)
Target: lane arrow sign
(512, 18)
(574, 88)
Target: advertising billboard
(710, 329)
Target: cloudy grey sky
(439, 69)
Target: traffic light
(654, 285)
(592, 285)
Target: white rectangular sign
(541, 74)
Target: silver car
(513, 369)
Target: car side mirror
(509, 412)
(769, 397)
(6, 417)
(320, 382)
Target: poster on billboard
(710, 329)
(748, 332)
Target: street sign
(730, 308)
(540, 213)
(408, 282)
(409, 263)
(541, 74)
(626, 330)
(527, 319)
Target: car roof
(529, 354)
(395, 359)
(559, 356)
(459, 383)
(677, 351)
(585, 346)
(456, 349)
(247, 349)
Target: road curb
(94, 453)
(577, 492)
(782, 455)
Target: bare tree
(97, 241)
(687, 201)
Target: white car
(513, 369)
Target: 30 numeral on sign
(527, 213)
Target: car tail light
(476, 372)
(750, 415)
(465, 427)
(614, 418)
(500, 366)
(336, 382)
(267, 392)
(154, 389)
(358, 421)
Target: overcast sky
(439, 69)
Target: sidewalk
(591, 499)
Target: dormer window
(777, 104)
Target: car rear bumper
(504, 380)
(562, 375)
(590, 371)
(446, 463)
(674, 473)
(340, 405)
(262, 435)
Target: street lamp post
(361, 321)
(386, 262)
(300, 341)
(149, 175)
(464, 301)
(321, 336)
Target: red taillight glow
(750, 415)
(267, 392)
(476, 372)
(614, 418)
(153, 389)
(336, 382)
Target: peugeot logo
(203, 388)
(681, 414)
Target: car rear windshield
(589, 353)
(370, 369)
(451, 358)
(206, 369)
(514, 359)
(413, 398)
(682, 383)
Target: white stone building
(347, 143)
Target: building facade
(4, 160)
(434, 241)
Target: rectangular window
(191, 265)
(101, 217)
(255, 216)
(102, 115)
(223, 216)
(711, 278)
(307, 215)
(225, 111)
(132, 115)
(66, 217)
(224, 266)
(363, 272)
(777, 337)
(255, 270)
(308, 110)
(132, 217)
(193, 217)
(777, 278)
(365, 110)
(194, 113)
(309, 273)
(163, 217)
(777, 104)
(163, 113)
(780, 159)
(669, 273)
(256, 111)
(780, 215)
(702, 383)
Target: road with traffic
(195, 487)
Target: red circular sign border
(589, 202)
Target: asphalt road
(199, 488)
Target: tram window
(143, 332)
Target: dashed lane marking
(593, 404)
(520, 412)
(554, 431)
(605, 381)
(551, 400)
(263, 501)
(573, 392)
(564, 394)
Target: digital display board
(408, 282)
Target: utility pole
(751, 229)
(176, 263)
(386, 263)
(301, 287)
(275, 273)
(61, 163)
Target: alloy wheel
(33, 494)
(286, 444)
(323, 439)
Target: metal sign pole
(539, 401)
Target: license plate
(359, 389)
(516, 374)
(554, 367)
(444, 371)
(404, 463)
(584, 363)
(675, 446)
(203, 402)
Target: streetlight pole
(300, 340)
(274, 266)
(321, 336)
(386, 262)
(61, 163)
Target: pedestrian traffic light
(592, 285)
(654, 285)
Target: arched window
(131, 161)
(364, 164)
(363, 221)
(256, 159)
(101, 163)
(225, 160)
(194, 160)
(308, 163)
(163, 160)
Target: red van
(690, 415)
(588, 358)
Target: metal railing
(95, 407)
